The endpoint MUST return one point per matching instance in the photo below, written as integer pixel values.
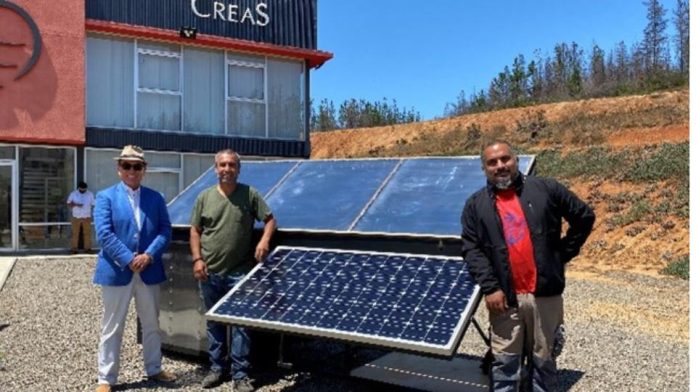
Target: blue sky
(423, 53)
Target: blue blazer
(120, 240)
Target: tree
(681, 25)
(536, 79)
(622, 64)
(499, 90)
(559, 70)
(518, 82)
(324, 118)
(574, 72)
(655, 40)
(598, 75)
(461, 106)
(479, 103)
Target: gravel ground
(626, 332)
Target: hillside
(627, 156)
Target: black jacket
(545, 203)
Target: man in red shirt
(516, 251)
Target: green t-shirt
(227, 224)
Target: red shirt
(519, 242)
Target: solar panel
(180, 207)
(412, 196)
(262, 175)
(424, 196)
(328, 195)
(409, 302)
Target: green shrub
(669, 161)
(593, 162)
(678, 268)
(664, 163)
(637, 212)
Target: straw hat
(131, 153)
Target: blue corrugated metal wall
(167, 141)
(291, 22)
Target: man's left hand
(262, 250)
(140, 262)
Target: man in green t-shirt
(222, 223)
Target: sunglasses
(135, 166)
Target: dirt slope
(614, 123)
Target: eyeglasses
(128, 166)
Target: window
(246, 102)
(159, 86)
(165, 172)
(109, 95)
(204, 86)
(147, 85)
(47, 178)
(285, 99)
(195, 165)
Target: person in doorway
(516, 251)
(133, 230)
(81, 202)
(222, 223)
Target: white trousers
(116, 300)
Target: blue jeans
(212, 291)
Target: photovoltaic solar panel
(410, 302)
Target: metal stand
(281, 358)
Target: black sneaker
(212, 379)
(242, 385)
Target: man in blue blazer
(133, 230)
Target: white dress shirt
(134, 199)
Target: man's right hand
(200, 270)
(496, 303)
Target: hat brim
(134, 159)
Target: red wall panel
(47, 103)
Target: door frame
(14, 208)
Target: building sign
(286, 23)
(231, 12)
(20, 50)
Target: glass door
(8, 205)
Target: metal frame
(14, 207)
(374, 196)
(401, 344)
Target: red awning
(315, 58)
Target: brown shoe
(104, 388)
(163, 376)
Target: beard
(505, 182)
(227, 179)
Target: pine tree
(518, 82)
(681, 25)
(325, 118)
(598, 75)
(655, 40)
